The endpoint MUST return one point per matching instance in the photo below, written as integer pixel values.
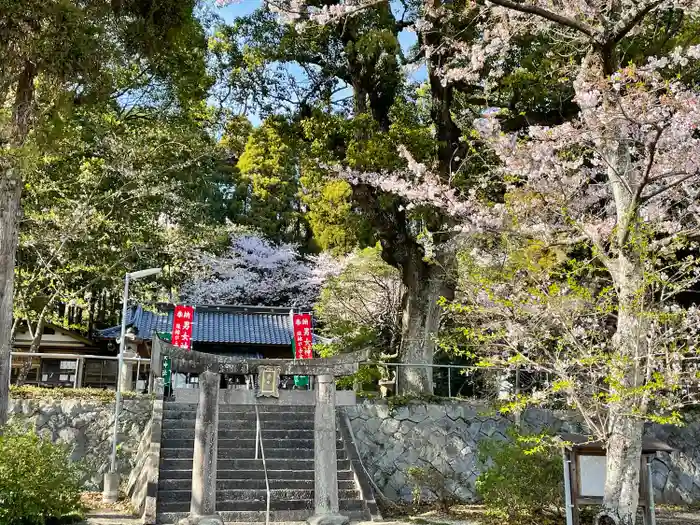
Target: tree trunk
(631, 351)
(10, 192)
(33, 348)
(624, 452)
(10, 195)
(425, 284)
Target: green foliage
(268, 168)
(523, 478)
(360, 308)
(117, 192)
(366, 376)
(437, 484)
(396, 402)
(96, 394)
(38, 482)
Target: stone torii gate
(210, 367)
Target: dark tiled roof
(215, 324)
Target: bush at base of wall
(522, 480)
(36, 392)
(38, 483)
(87, 427)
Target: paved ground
(664, 517)
(111, 517)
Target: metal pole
(449, 382)
(650, 488)
(567, 491)
(118, 400)
(75, 377)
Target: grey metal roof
(215, 324)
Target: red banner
(302, 336)
(182, 326)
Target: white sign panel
(591, 476)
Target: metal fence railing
(448, 380)
(462, 381)
(77, 370)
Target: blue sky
(245, 7)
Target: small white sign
(592, 476)
(68, 365)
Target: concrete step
(252, 484)
(246, 496)
(174, 431)
(223, 474)
(248, 443)
(169, 406)
(265, 409)
(268, 433)
(294, 517)
(247, 453)
(243, 424)
(265, 417)
(276, 505)
(250, 464)
(250, 474)
(283, 424)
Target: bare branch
(629, 23)
(663, 189)
(544, 13)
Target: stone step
(265, 408)
(289, 423)
(240, 424)
(252, 484)
(265, 417)
(176, 432)
(294, 517)
(259, 473)
(269, 433)
(250, 464)
(223, 506)
(248, 443)
(247, 453)
(246, 496)
(169, 406)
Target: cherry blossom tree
(255, 271)
(618, 178)
(576, 267)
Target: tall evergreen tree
(57, 55)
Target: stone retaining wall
(87, 426)
(447, 436)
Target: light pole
(110, 492)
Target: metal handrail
(259, 441)
(50, 355)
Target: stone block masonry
(447, 436)
(86, 426)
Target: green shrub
(96, 394)
(38, 482)
(435, 482)
(523, 480)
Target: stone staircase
(241, 496)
